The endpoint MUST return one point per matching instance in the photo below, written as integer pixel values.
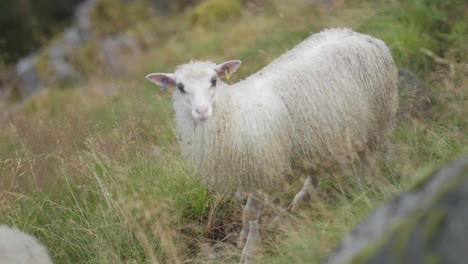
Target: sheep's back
(339, 87)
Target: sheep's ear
(161, 79)
(226, 68)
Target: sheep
(17, 247)
(331, 96)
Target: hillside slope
(92, 167)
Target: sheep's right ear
(161, 79)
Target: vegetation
(96, 174)
(211, 12)
(25, 25)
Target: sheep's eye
(213, 81)
(180, 86)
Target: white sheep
(17, 247)
(333, 95)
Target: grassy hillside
(94, 171)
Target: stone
(119, 52)
(426, 224)
(83, 19)
(59, 55)
(62, 51)
(414, 96)
(328, 3)
(26, 72)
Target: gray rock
(26, 71)
(159, 6)
(59, 55)
(414, 96)
(164, 7)
(119, 52)
(83, 19)
(61, 52)
(323, 2)
(426, 224)
(72, 38)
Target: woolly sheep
(333, 95)
(17, 247)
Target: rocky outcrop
(28, 76)
(62, 51)
(58, 55)
(427, 224)
(61, 62)
(118, 51)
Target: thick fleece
(332, 96)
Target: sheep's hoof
(292, 207)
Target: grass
(95, 173)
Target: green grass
(96, 174)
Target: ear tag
(163, 87)
(226, 71)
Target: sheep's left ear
(226, 68)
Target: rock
(72, 38)
(324, 2)
(59, 55)
(163, 7)
(160, 6)
(119, 52)
(83, 19)
(21, 248)
(62, 51)
(427, 224)
(414, 96)
(28, 76)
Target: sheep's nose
(202, 110)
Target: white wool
(17, 247)
(333, 95)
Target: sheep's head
(196, 81)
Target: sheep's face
(196, 82)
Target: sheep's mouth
(202, 117)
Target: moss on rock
(424, 225)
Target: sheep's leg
(302, 194)
(253, 209)
(242, 198)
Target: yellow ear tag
(226, 71)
